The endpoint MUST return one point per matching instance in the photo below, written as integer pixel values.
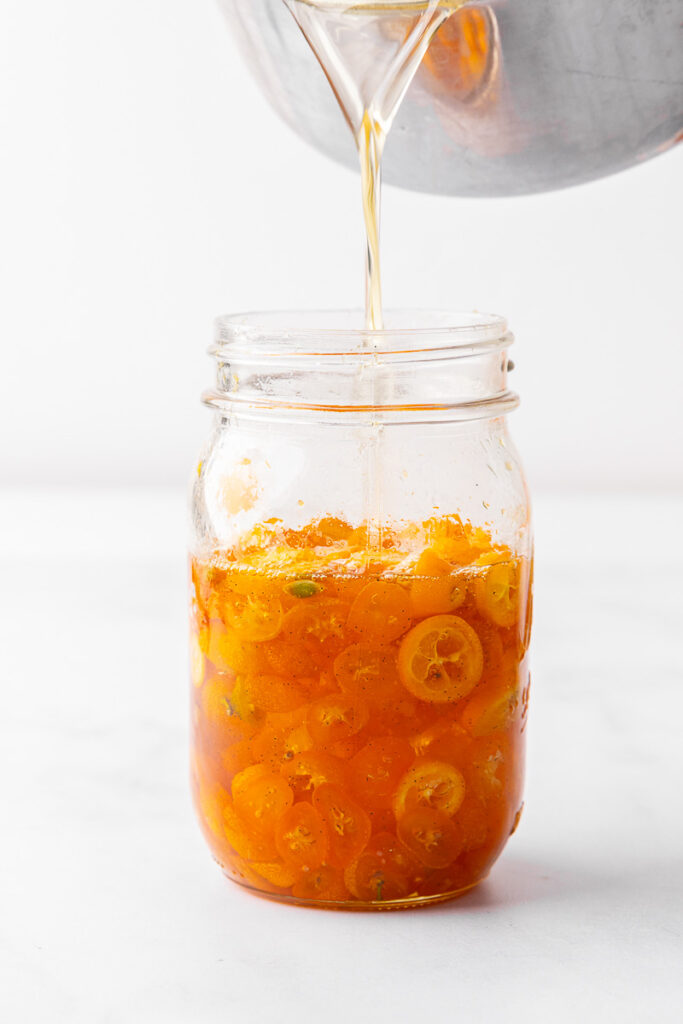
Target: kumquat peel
(359, 715)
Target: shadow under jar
(361, 563)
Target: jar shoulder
(251, 473)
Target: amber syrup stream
(370, 53)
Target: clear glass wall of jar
(361, 559)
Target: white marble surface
(110, 908)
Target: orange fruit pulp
(359, 717)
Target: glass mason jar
(361, 571)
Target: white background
(146, 187)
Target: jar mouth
(333, 335)
(422, 366)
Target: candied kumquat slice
(224, 730)
(332, 528)
(429, 564)
(435, 590)
(245, 841)
(288, 659)
(397, 715)
(431, 835)
(199, 622)
(212, 798)
(380, 613)
(217, 703)
(496, 664)
(204, 636)
(348, 826)
(201, 581)
(260, 797)
(323, 883)
(237, 756)
(499, 819)
(437, 728)
(215, 698)
(437, 596)
(432, 784)
(301, 838)
(346, 749)
(227, 651)
(313, 768)
(278, 874)
(252, 611)
(384, 871)
(242, 871)
(272, 693)
(452, 746)
(336, 718)
(497, 593)
(245, 778)
(316, 626)
(490, 766)
(239, 705)
(281, 737)
(490, 709)
(214, 640)
(473, 822)
(376, 769)
(441, 659)
(369, 670)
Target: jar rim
(340, 333)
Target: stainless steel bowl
(572, 91)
